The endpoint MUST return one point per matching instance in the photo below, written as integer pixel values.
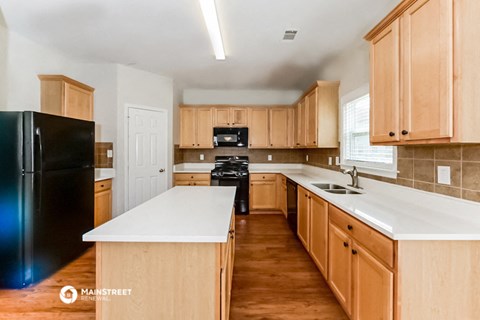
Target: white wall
(351, 68)
(140, 88)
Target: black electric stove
(233, 171)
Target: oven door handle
(229, 178)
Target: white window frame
(363, 167)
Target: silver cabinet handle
(161, 170)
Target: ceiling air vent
(289, 34)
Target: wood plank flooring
(41, 301)
(274, 277)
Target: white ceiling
(169, 37)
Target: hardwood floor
(41, 301)
(274, 278)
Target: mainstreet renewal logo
(69, 294)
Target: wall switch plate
(110, 153)
(269, 157)
(443, 175)
(330, 161)
(202, 157)
(306, 158)
(337, 161)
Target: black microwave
(230, 137)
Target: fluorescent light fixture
(211, 20)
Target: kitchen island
(172, 256)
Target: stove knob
(237, 174)
(220, 174)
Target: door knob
(404, 132)
(391, 134)
(161, 170)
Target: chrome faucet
(354, 174)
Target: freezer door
(11, 208)
(57, 143)
(63, 211)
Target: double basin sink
(334, 188)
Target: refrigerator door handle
(38, 133)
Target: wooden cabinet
(278, 127)
(303, 217)
(192, 179)
(319, 233)
(300, 126)
(263, 191)
(422, 68)
(230, 117)
(258, 133)
(360, 267)
(66, 97)
(282, 193)
(103, 202)
(226, 271)
(311, 118)
(196, 128)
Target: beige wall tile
(471, 176)
(448, 191)
(405, 182)
(405, 152)
(423, 170)
(424, 152)
(471, 152)
(405, 168)
(471, 195)
(430, 187)
(448, 153)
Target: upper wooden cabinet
(278, 121)
(423, 67)
(317, 116)
(66, 97)
(230, 117)
(196, 127)
(258, 128)
(270, 127)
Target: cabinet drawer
(103, 185)
(371, 239)
(263, 176)
(192, 176)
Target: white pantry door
(147, 155)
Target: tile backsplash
(417, 165)
(101, 155)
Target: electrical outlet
(443, 175)
(330, 161)
(110, 153)
(306, 158)
(202, 157)
(269, 157)
(337, 161)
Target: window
(355, 147)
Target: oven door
(241, 195)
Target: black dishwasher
(292, 205)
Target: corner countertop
(181, 214)
(104, 174)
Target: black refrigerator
(46, 194)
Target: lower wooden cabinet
(362, 281)
(263, 190)
(226, 272)
(303, 217)
(319, 233)
(282, 193)
(103, 202)
(192, 179)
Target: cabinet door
(188, 127)
(278, 127)
(303, 216)
(427, 75)
(385, 85)
(263, 195)
(291, 128)
(301, 127)
(204, 128)
(311, 118)
(319, 233)
(78, 103)
(258, 128)
(239, 117)
(340, 266)
(103, 207)
(183, 183)
(372, 287)
(222, 117)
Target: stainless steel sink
(342, 191)
(327, 186)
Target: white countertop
(104, 174)
(398, 212)
(181, 214)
